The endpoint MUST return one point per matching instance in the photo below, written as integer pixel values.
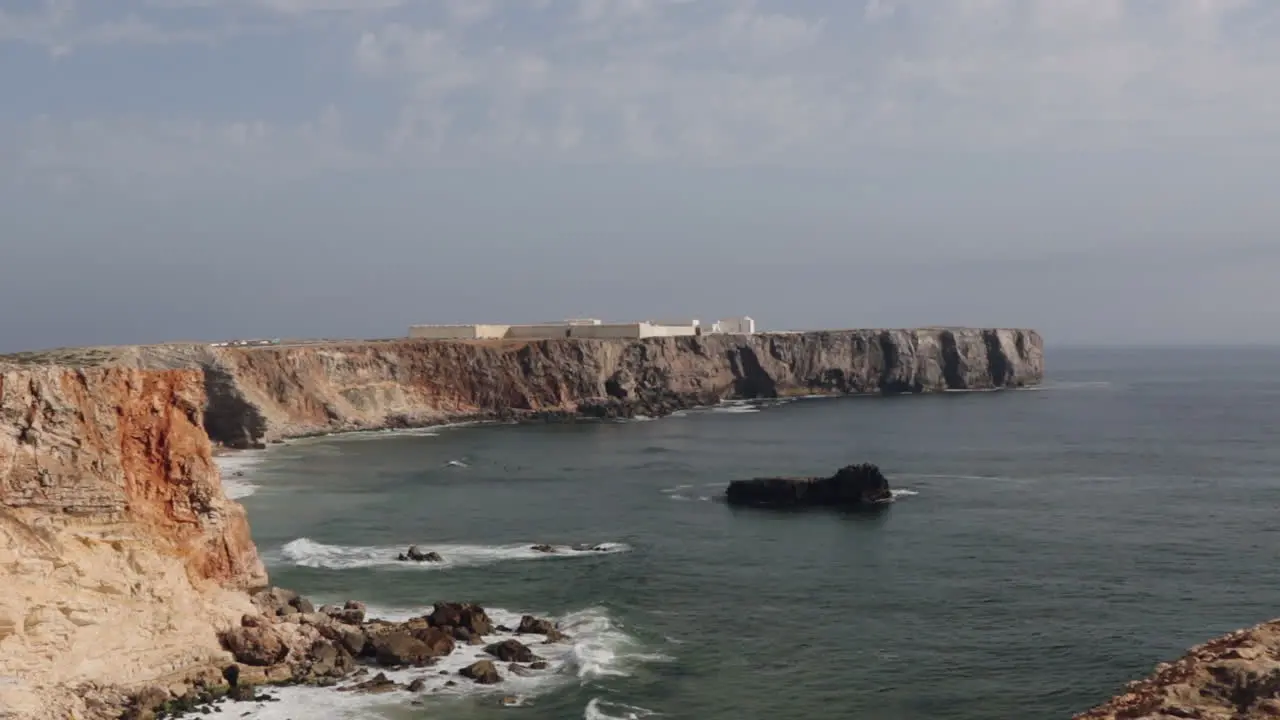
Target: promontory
(123, 564)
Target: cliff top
(189, 353)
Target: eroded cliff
(1233, 677)
(120, 557)
(263, 393)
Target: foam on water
(599, 709)
(236, 469)
(597, 647)
(305, 552)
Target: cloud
(713, 82)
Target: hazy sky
(1103, 170)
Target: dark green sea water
(1054, 544)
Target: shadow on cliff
(229, 419)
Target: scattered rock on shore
(482, 672)
(285, 646)
(852, 486)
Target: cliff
(1233, 677)
(119, 554)
(265, 393)
(121, 561)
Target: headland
(125, 566)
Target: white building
(574, 328)
(735, 326)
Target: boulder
(511, 651)
(530, 625)
(351, 637)
(543, 548)
(851, 486)
(258, 646)
(328, 660)
(379, 684)
(352, 613)
(399, 648)
(436, 639)
(482, 672)
(418, 685)
(465, 615)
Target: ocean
(1045, 547)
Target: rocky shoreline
(289, 642)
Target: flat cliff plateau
(259, 394)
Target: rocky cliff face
(268, 393)
(1233, 677)
(119, 554)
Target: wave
(236, 469)
(598, 709)
(903, 492)
(597, 647)
(305, 552)
(1069, 385)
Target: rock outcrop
(851, 487)
(1233, 677)
(120, 558)
(259, 394)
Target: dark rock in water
(482, 672)
(511, 651)
(852, 486)
(535, 626)
(543, 548)
(540, 665)
(379, 684)
(583, 547)
(465, 615)
(417, 685)
(413, 554)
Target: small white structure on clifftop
(581, 328)
(735, 326)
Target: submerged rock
(413, 554)
(852, 486)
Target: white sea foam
(1069, 385)
(903, 492)
(236, 470)
(597, 647)
(599, 709)
(305, 552)
(735, 408)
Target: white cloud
(739, 81)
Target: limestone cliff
(264, 393)
(119, 554)
(1233, 677)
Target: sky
(1103, 171)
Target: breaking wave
(305, 552)
(236, 469)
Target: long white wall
(548, 331)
